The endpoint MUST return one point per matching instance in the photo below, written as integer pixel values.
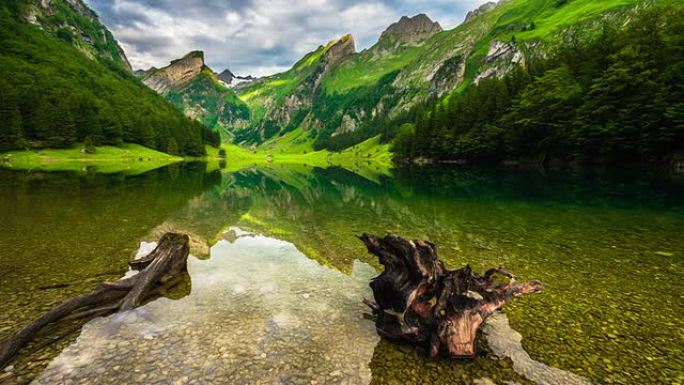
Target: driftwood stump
(418, 300)
(160, 270)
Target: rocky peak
(411, 30)
(230, 79)
(338, 50)
(176, 75)
(481, 10)
(226, 76)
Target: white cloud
(256, 37)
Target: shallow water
(608, 248)
(260, 312)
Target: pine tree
(11, 134)
(88, 146)
(112, 131)
(41, 120)
(172, 147)
(63, 128)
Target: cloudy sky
(257, 37)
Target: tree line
(53, 96)
(615, 94)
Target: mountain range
(336, 96)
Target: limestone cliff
(176, 75)
(339, 50)
(501, 58)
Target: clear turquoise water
(609, 249)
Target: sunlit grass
(131, 158)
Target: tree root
(161, 269)
(417, 299)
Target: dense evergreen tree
(172, 147)
(10, 118)
(88, 146)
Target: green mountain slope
(73, 22)
(282, 102)
(366, 93)
(194, 88)
(52, 95)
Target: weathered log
(417, 299)
(163, 266)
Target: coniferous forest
(612, 95)
(53, 96)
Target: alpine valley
(336, 97)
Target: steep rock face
(64, 19)
(448, 76)
(410, 30)
(338, 51)
(176, 75)
(484, 8)
(501, 58)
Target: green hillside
(211, 103)
(74, 23)
(53, 95)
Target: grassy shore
(128, 158)
(370, 158)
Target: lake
(278, 276)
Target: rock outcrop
(449, 75)
(499, 50)
(481, 10)
(190, 85)
(337, 51)
(501, 58)
(410, 30)
(176, 75)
